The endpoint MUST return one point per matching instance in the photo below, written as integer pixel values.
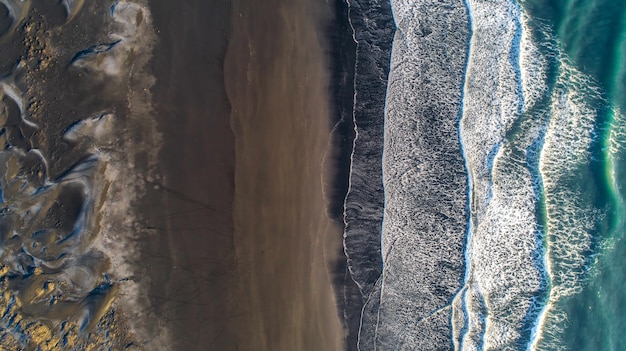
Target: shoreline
(342, 53)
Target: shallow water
(536, 261)
(592, 36)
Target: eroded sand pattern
(73, 99)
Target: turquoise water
(592, 35)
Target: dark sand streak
(192, 263)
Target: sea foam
(488, 278)
(571, 218)
(526, 145)
(502, 278)
(424, 177)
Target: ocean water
(590, 35)
(503, 163)
(544, 250)
(371, 30)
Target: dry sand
(245, 244)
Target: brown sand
(277, 84)
(241, 264)
(192, 260)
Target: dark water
(370, 29)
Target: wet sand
(243, 248)
(191, 259)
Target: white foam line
(369, 297)
(532, 65)
(565, 149)
(462, 294)
(616, 147)
(460, 344)
(356, 136)
(351, 173)
(534, 88)
(431, 237)
(384, 257)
